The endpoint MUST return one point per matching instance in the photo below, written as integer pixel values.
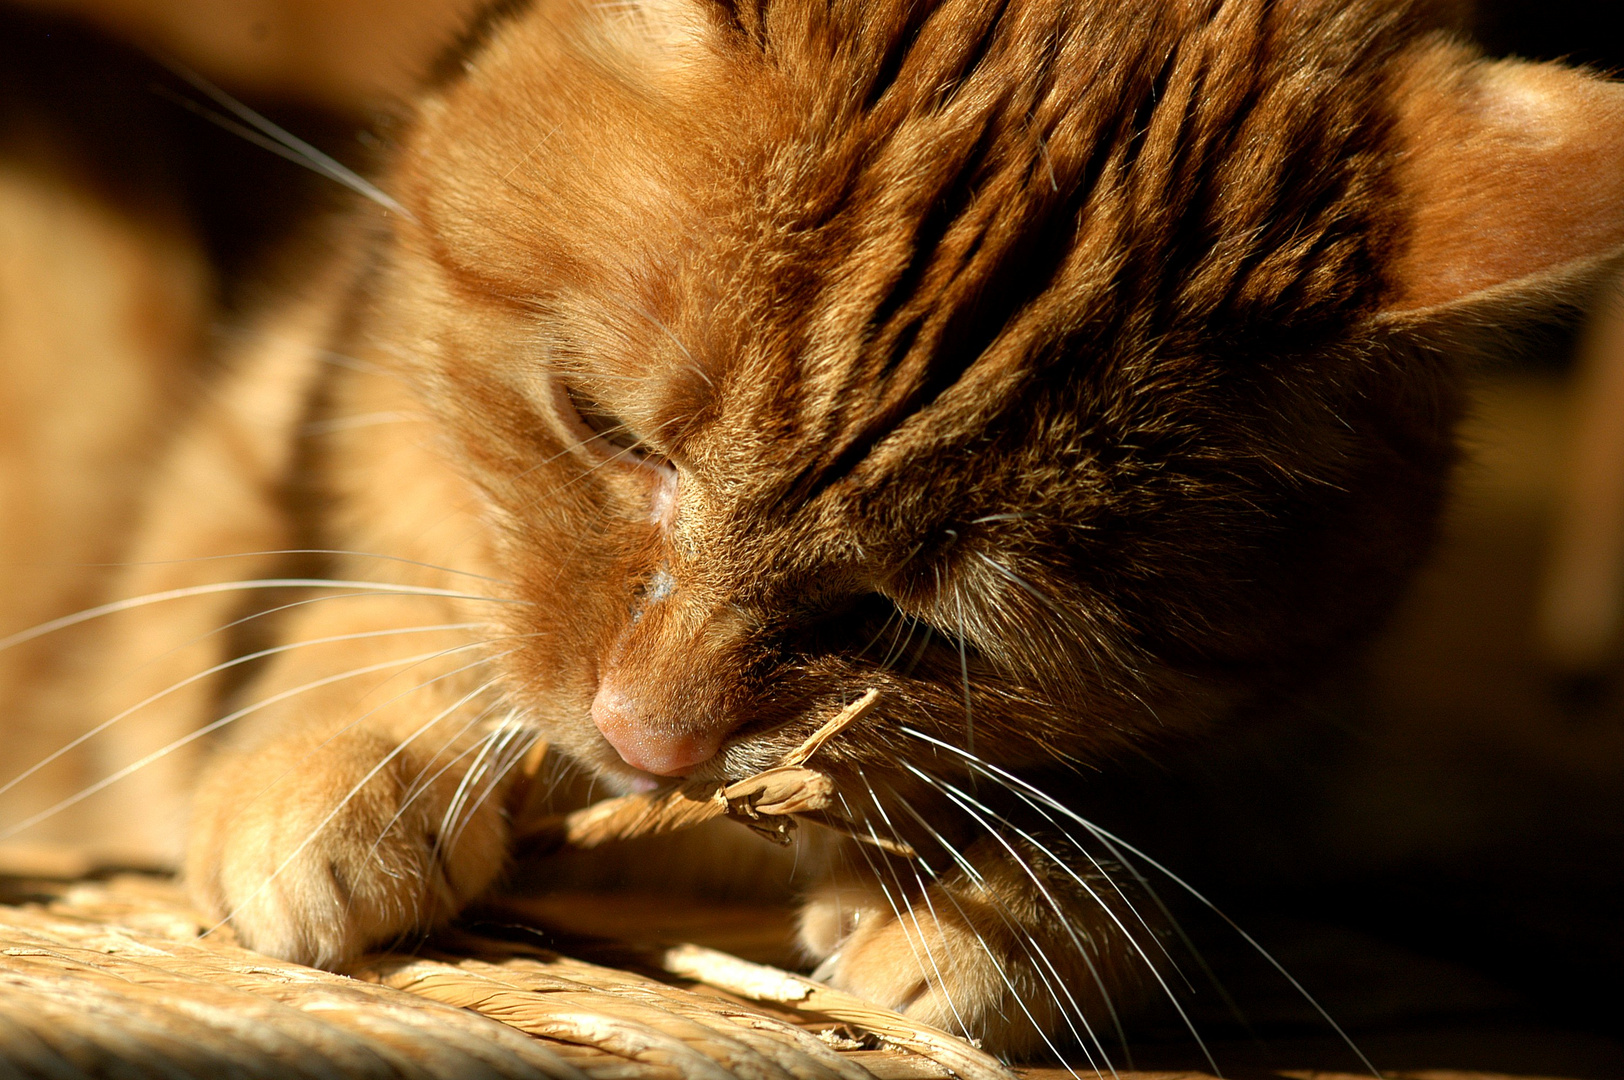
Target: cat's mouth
(622, 778)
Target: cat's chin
(625, 780)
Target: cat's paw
(932, 964)
(316, 857)
(958, 961)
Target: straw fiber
(112, 975)
(119, 978)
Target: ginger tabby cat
(1073, 372)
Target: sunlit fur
(1071, 372)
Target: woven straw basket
(112, 975)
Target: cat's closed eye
(606, 430)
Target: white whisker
(964, 673)
(207, 729)
(300, 551)
(975, 761)
(910, 624)
(423, 782)
(896, 909)
(1085, 1037)
(1017, 934)
(1095, 863)
(494, 760)
(131, 604)
(215, 670)
(878, 634)
(280, 141)
(1116, 842)
(345, 801)
(965, 802)
(515, 740)
(484, 747)
(1178, 928)
(941, 980)
(397, 697)
(317, 429)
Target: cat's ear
(1512, 174)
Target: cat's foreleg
(364, 797)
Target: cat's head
(1065, 370)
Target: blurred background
(1435, 843)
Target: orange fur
(1109, 355)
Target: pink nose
(641, 747)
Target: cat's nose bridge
(666, 688)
